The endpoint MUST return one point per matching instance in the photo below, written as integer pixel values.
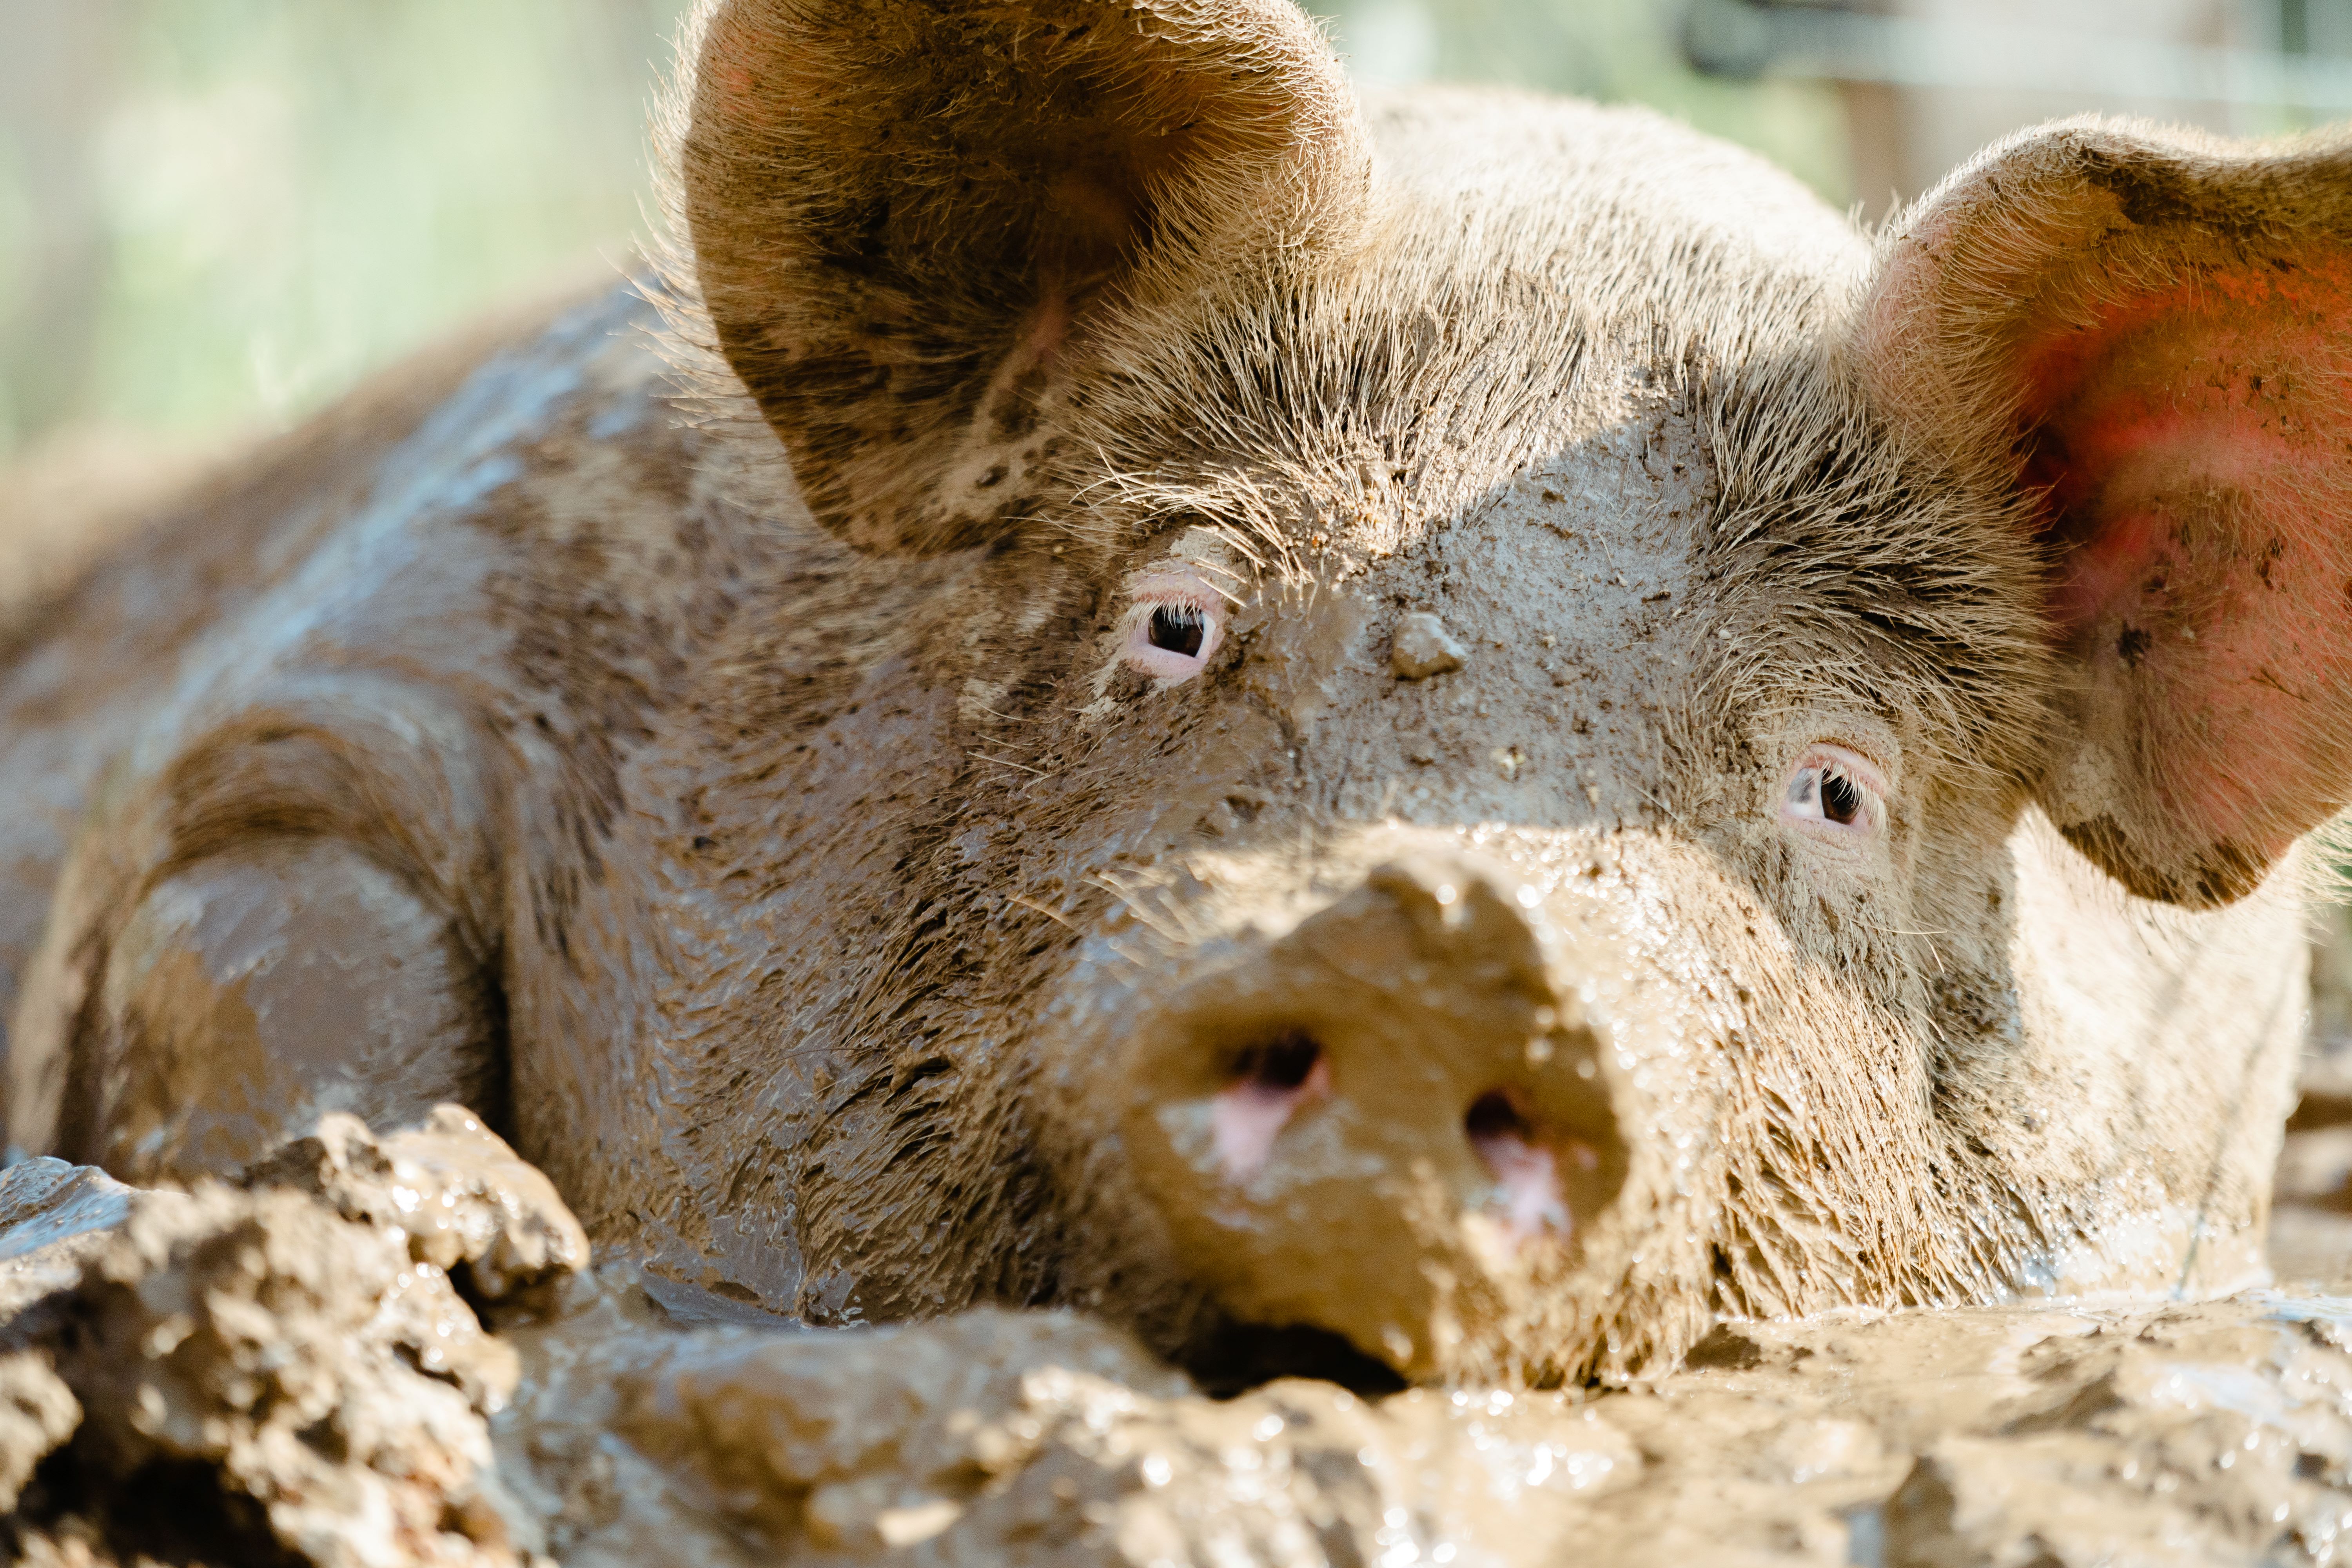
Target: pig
(1443, 737)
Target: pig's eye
(1174, 625)
(1834, 791)
(1177, 628)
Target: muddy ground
(390, 1351)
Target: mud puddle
(2210, 1432)
(300, 1374)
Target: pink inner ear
(2193, 447)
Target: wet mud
(391, 1351)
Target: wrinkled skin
(1811, 868)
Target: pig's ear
(2146, 335)
(909, 218)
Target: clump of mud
(288, 1374)
(298, 1371)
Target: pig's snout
(1392, 1119)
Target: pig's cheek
(1838, 883)
(1131, 675)
(1842, 872)
(1843, 855)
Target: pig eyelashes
(1832, 790)
(1177, 630)
(1174, 625)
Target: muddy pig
(1442, 737)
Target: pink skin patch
(1041, 340)
(1246, 1118)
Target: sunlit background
(214, 214)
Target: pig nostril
(1526, 1170)
(1282, 1065)
(1494, 1117)
(1270, 1082)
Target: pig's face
(1491, 753)
(1478, 857)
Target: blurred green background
(215, 214)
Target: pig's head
(1498, 659)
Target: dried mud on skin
(298, 1372)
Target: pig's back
(372, 547)
(88, 656)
